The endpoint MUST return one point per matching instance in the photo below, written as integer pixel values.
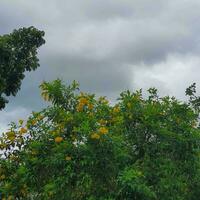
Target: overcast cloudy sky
(107, 45)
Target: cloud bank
(108, 46)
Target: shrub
(82, 147)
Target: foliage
(18, 53)
(83, 148)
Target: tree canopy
(83, 148)
(18, 53)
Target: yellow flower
(102, 122)
(33, 122)
(95, 136)
(11, 135)
(103, 130)
(12, 157)
(23, 130)
(116, 109)
(58, 139)
(90, 106)
(79, 107)
(2, 177)
(10, 197)
(2, 146)
(83, 101)
(40, 117)
(68, 158)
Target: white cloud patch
(13, 115)
(171, 76)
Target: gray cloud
(108, 45)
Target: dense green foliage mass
(18, 53)
(83, 148)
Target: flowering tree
(83, 148)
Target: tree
(18, 53)
(81, 147)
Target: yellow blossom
(33, 122)
(83, 101)
(23, 130)
(103, 130)
(95, 136)
(40, 117)
(12, 157)
(10, 197)
(11, 135)
(2, 146)
(58, 139)
(116, 109)
(90, 106)
(68, 158)
(102, 122)
(79, 107)
(2, 177)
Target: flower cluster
(83, 103)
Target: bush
(83, 148)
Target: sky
(107, 46)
